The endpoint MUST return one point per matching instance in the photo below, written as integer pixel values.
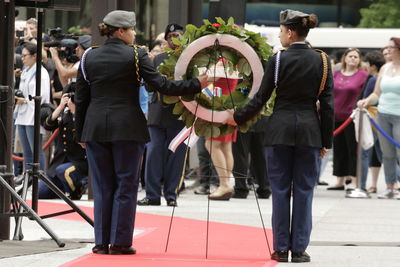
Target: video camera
(66, 44)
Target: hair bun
(312, 21)
(103, 29)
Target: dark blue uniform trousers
(163, 163)
(66, 179)
(115, 170)
(292, 167)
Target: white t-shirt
(75, 66)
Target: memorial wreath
(244, 54)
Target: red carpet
(229, 245)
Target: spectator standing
(348, 83)
(387, 95)
(372, 157)
(220, 148)
(25, 108)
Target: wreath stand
(216, 41)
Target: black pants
(250, 144)
(208, 174)
(345, 152)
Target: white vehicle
(333, 38)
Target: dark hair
(384, 48)
(156, 43)
(375, 58)
(107, 30)
(304, 26)
(31, 47)
(345, 54)
(396, 41)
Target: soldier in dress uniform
(295, 136)
(163, 127)
(110, 122)
(69, 168)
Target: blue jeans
(390, 124)
(366, 159)
(26, 136)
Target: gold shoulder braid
(324, 72)
(137, 66)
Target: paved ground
(346, 232)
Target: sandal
(371, 190)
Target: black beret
(289, 16)
(172, 28)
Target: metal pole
(7, 17)
(359, 148)
(358, 192)
(37, 99)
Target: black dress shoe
(148, 202)
(100, 249)
(281, 256)
(264, 194)
(80, 189)
(120, 250)
(336, 188)
(300, 257)
(240, 194)
(172, 203)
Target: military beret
(85, 41)
(120, 19)
(289, 16)
(172, 28)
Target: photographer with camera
(25, 108)
(66, 55)
(69, 168)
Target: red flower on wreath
(177, 48)
(216, 25)
(235, 26)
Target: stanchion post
(358, 192)
(37, 99)
(359, 148)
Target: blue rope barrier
(383, 133)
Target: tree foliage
(381, 14)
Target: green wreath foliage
(207, 58)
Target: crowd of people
(355, 82)
(107, 103)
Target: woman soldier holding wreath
(296, 135)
